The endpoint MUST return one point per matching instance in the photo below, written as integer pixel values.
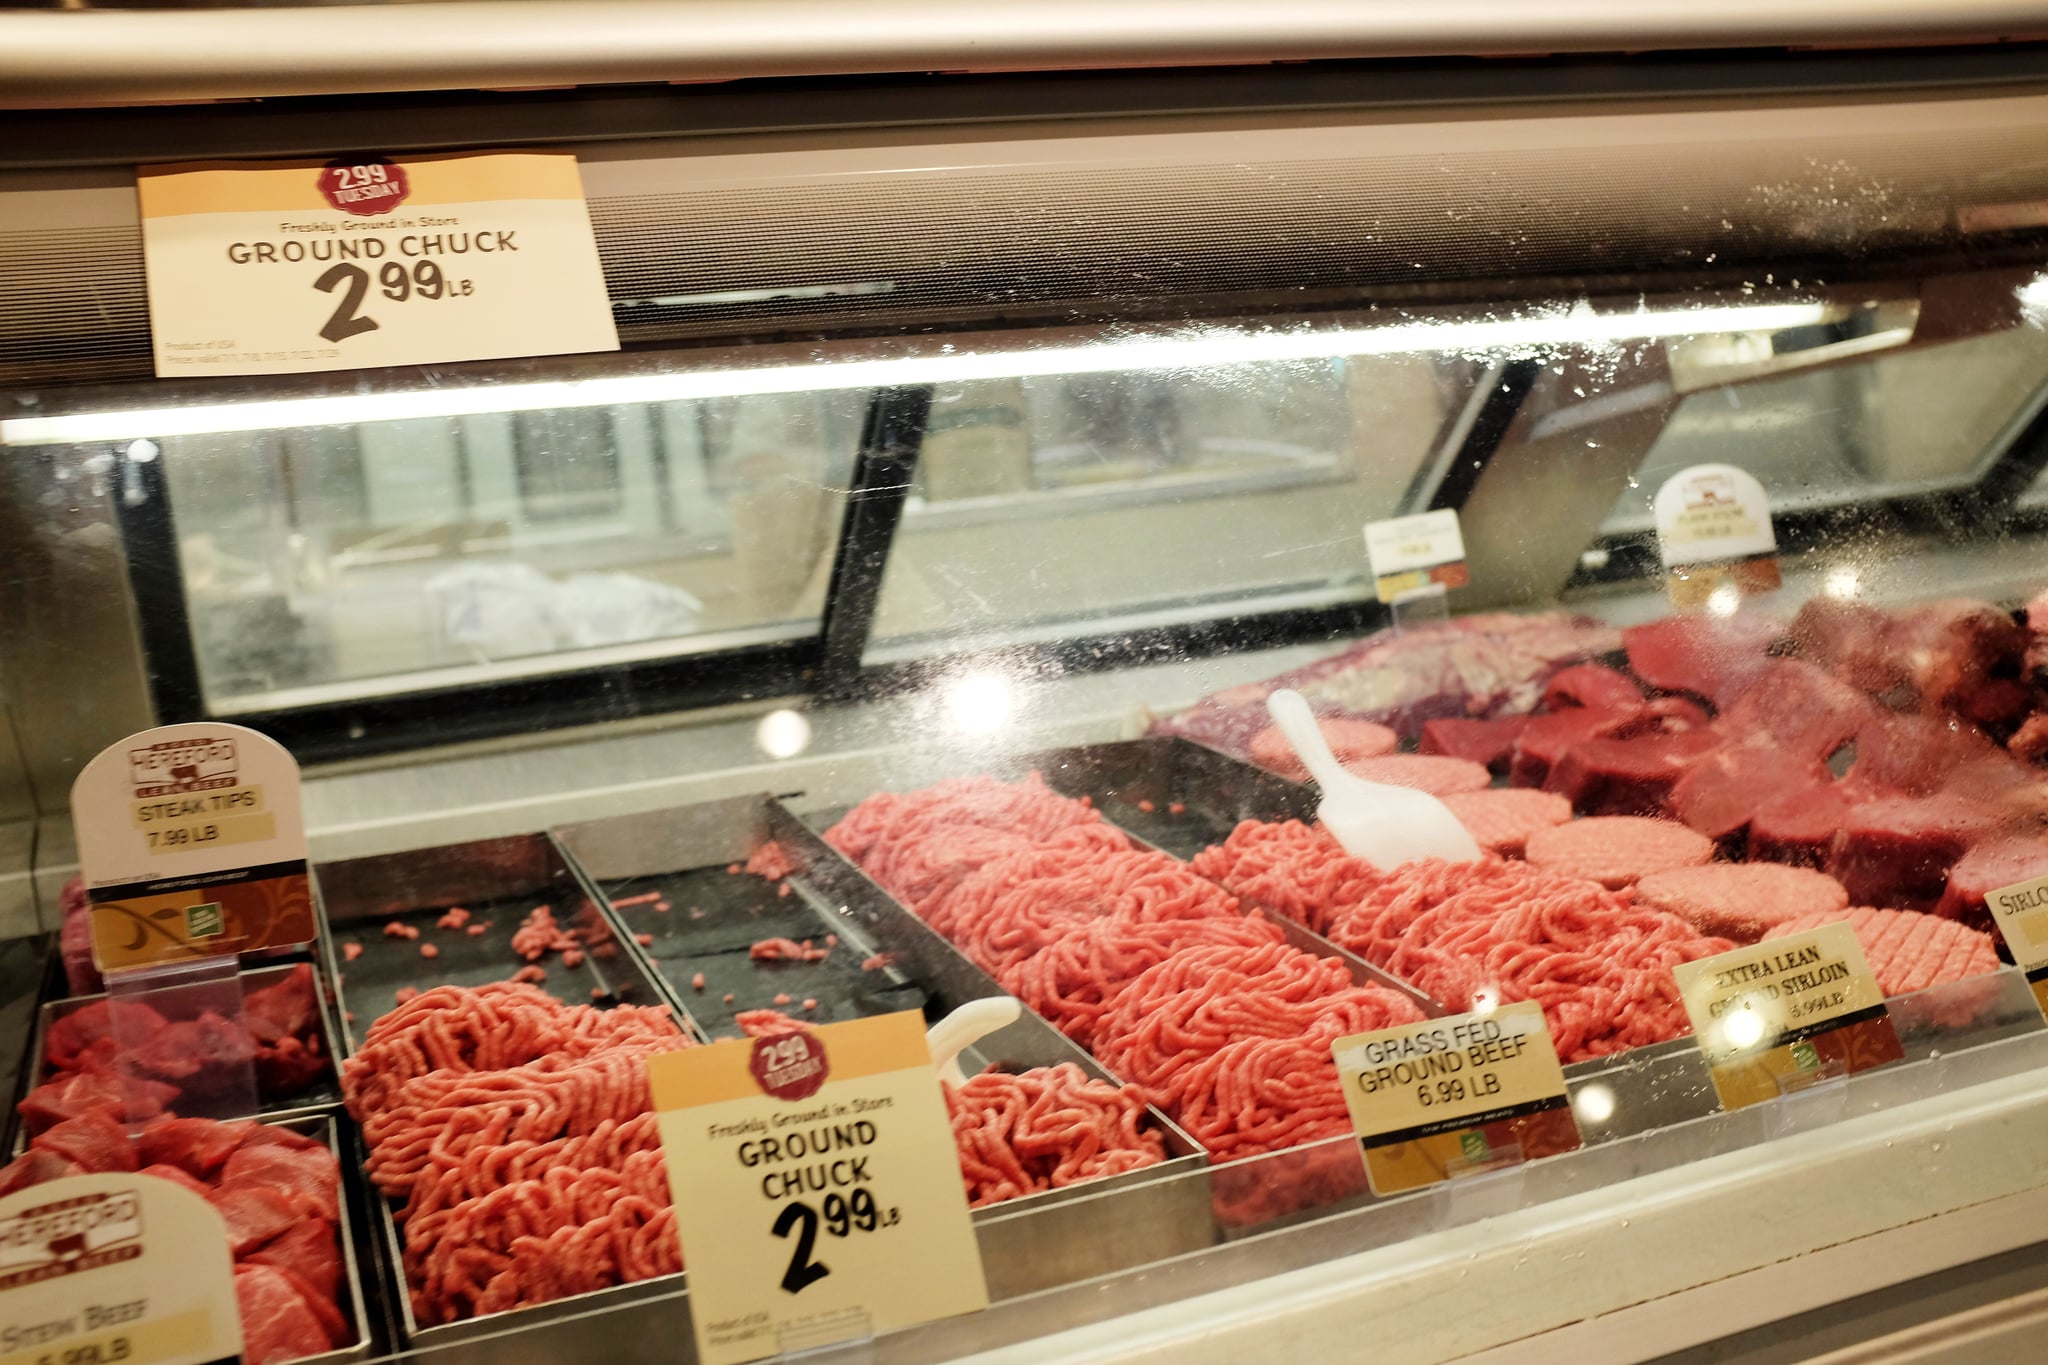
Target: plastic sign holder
(193, 850)
(1788, 1017)
(304, 266)
(115, 1269)
(817, 1187)
(2021, 913)
(1460, 1099)
(1715, 537)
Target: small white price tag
(290, 268)
(1466, 1093)
(1714, 532)
(115, 1270)
(1408, 554)
(817, 1187)
(192, 845)
(2021, 913)
(1786, 1013)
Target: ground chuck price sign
(816, 1187)
(284, 268)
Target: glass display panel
(1884, 426)
(1066, 503)
(385, 556)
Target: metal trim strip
(116, 56)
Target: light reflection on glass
(1743, 1029)
(783, 733)
(980, 703)
(1594, 1103)
(1842, 583)
(1724, 600)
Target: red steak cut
(1720, 794)
(1594, 685)
(1675, 713)
(1716, 657)
(1806, 711)
(254, 1215)
(1546, 739)
(93, 1141)
(202, 1048)
(73, 1094)
(1897, 851)
(1849, 638)
(75, 1035)
(1954, 653)
(310, 1251)
(75, 941)
(1997, 702)
(1985, 868)
(33, 1167)
(196, 1146)
(1918, 754)
(308, 1177)
(1798, 826)
(270, 1135)
(289, 1066)
(178, 1177)
(1490, 743)
(277, 1324)
(288, 1008)
(324, 1308)
(1627, 776)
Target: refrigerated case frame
(834, 662)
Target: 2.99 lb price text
(823, 1159)
(395, 280)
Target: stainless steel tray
(1645, 1088)
(327, 1127)
(1029, 1243)
(499, 880)
(1179, 798)
(322, 1098)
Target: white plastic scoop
(965, 1027)
(1387, 826)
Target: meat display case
(1029, 423)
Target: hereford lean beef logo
(364, 188)
(68, 1236)
(182, 765)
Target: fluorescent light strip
(1580, 326)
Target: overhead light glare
(1207, 348)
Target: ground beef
(1741, 901)
(1617, 850)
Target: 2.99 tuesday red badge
(364, 188)
(789, 1067)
